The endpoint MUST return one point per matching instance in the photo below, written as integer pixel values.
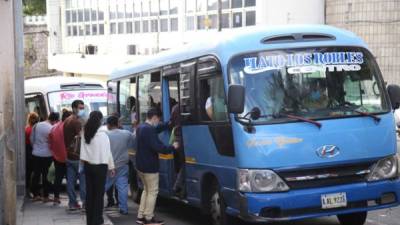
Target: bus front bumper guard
(306, 203)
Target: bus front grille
(326, 176)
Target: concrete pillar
(11, 109)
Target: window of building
(129, 9)
(131, 50)
(101, 29)
(121, 10)
(145, 28)
(250, 18)
(164, 7)
(129, 27)
(127, 101)
(149, 94)
(201, 22)
(173, 6)
(113, 28)
(212, 5)
(154, 25)
(225, 20)
(190, 23)
(121, 29)
(81, 32)
(94, 29)
(145, 8)
(174, 24)
(91, 49)
(225, 4)
(137, 9)
(190, 6)
(212, 99)
(80, 15)
(73, 16)
(164, 25)
(74, 31)
(201, 5)
(137, 26)
(249, 3)
(101, 9)
(87, 29)
(67, 16)
(237, 19)
(69, 31)
(94, 15)
(87, 15)
(154, 8)
(113, 12)
(237, 4)
(213, 21)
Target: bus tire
(136, 191)
(353, 218)
(218, 207)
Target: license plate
(336, 200)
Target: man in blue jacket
(147, 165)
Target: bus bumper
(306, 203)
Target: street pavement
(176, 213)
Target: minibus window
(112, 97)
(212, 99)
(149, 94)
(35, 103)
(313, 83)
(127, 101)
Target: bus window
(127, 101)
(112, 98)
(149, 93)
(173, 91)
(212, 99)
(35, 103)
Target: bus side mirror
(236, 98)
(394, 95)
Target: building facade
(378, 23)
(90, 37)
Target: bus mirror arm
(394, 95)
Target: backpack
(56, 142)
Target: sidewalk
(38, 213)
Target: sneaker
(140, 220)
(74, 207)
(154, 221)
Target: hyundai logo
(328, 151)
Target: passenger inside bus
(214, 106)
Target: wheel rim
(215, 208)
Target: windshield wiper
(318, 124)
(348, 107)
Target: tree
(34, 7)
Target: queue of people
(82, 149)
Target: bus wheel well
(208, 185)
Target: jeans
(75, 172)
(149, 196)
(96, 180)
(61, 170)
(40, 171)
(121, 184)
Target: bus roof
(226, 44)
(58, 83)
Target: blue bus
(280, 123)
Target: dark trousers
(61, 172)
(95, 185)
(28, 169)
(40, 171)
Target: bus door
(36, 103)
(171, 99)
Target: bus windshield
(315, 83)
(93, 99)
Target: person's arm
(107, 146)
(156, 145)
(162, 127)
(32, 136)
(209, 108)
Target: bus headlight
(260, 181)
(386, 168)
